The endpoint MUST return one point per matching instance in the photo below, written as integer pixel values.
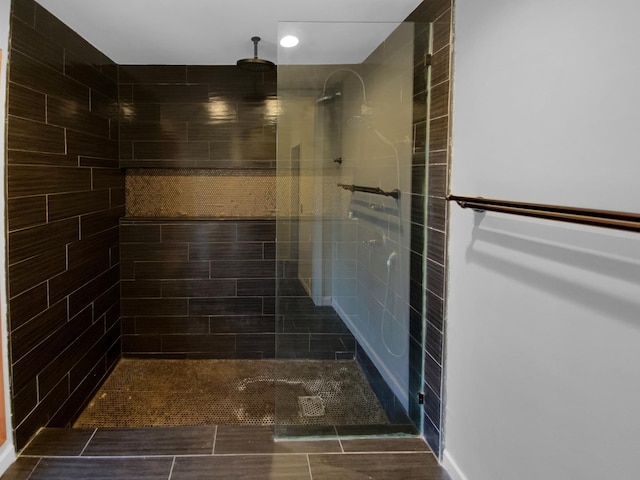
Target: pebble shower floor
(144, 393)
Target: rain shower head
(255, 64)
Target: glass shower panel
(345, 137)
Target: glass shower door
(345, 138)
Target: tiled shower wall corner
(65, 196)
(431, 160)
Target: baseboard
(452, 467)
(7, 456)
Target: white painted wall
(7, 450)
(547, 96)
(543, 339)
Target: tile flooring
(218, 452)
(151, 392)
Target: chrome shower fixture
(323, 96)
(328, 96)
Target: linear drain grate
(311, 406)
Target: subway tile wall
(198, 289)
(197, 117)
(65, 196)
(198, 142)
(429, 211)
(206, 289)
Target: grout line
(215, 437)
(182, 455)
(34, 468)
(369, 452)
(309, 465)
(32, 439)
(89, 441)
(171, 469)
(335, 429)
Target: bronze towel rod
(585, 216)
(375, 190)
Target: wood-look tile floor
(217, 452)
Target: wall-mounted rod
(584, 216)
(375, 190)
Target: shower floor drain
(311, 406)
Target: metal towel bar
(375, 190)
(585, 216)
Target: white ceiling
(218, 32)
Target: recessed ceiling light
(289, 41)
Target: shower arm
(375, 190)
(364, 91)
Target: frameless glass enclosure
(345, 139)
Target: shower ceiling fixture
(289, 41)
(255, 64)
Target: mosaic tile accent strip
(181, 193)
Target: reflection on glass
(343, 256)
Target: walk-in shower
(344, 211)
(311, 321)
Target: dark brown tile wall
(65, 196)
(197, 117)
(429, 216)
(198, 289)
